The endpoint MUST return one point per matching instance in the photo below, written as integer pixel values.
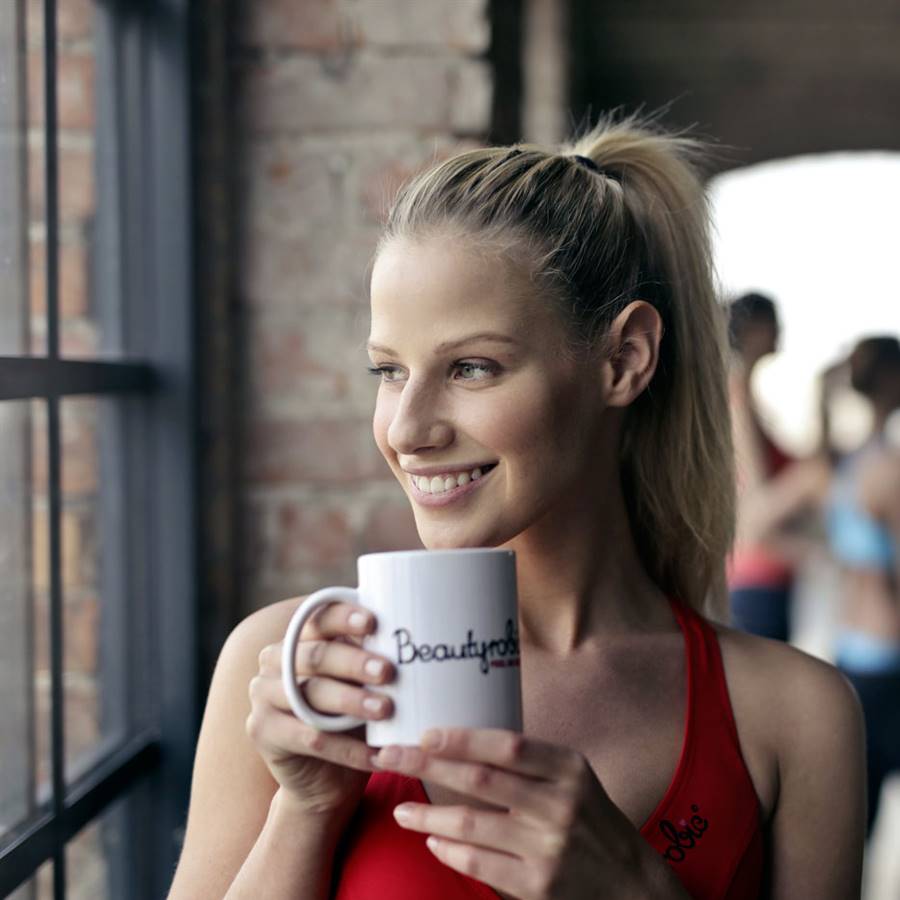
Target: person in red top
(547, 317)
(774, 489)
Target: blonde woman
(546, 319)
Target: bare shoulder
(783, 693)
(801, 730)
(231, 787)
(260, 628)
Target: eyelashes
(388, 373)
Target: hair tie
(588, 163)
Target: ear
(632, 352)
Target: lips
(444, 496)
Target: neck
(589, 585)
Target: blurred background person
(773, 488)
(864, 536)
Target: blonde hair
(628, 221)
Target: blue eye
(383, 371)
(469, 369)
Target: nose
(418, 422)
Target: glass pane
(17, 156)
(20, 752)
(95, 641)
(40, 887)
(89, 289)
(102, 860)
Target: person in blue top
(863, 526)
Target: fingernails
(432, 739)
(374, 667)
(358, 620)
(373, 704)
(402, 813)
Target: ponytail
(616, 215)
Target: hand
(558, 834)
(320, 772)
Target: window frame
(154, 388)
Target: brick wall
(336, 102)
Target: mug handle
(289, 678)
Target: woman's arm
(242, 838)
(818, 824)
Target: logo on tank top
(684, 836)
(496, 653)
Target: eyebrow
(450, 345)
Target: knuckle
(578, 768)
(314, 740)
(313, 655)
(515, 747)
(566, 811)
(265, 655)
(253, 726)
(480, 777)
(468, 823)
(255, 688)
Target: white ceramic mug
(448, 621)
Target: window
(97, 608)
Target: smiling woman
(552, 381)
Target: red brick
(75, 101)
(76, 184)
(73, 278)
(310, 25)
(323, 452)
(81, 629)
(460, 25)
(310, 536)
(80, 454)
(293, 94)
(74, 20)
(283, 273)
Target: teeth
(439, 484)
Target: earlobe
(633, 345)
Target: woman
(547, 318)
(759, 577)
(864, 536)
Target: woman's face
(486, 424)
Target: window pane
(38, 888)
(23, 757)
(16, 158)
(103, 861)
(94, 624)
(89, 254)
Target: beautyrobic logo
(492, 654)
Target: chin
(434, 537)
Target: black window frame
(153, 386)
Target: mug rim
(444, 551)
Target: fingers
(501, 871)
(324, 695)
(506, 749)
(526, 795)
(330, 657)
(283, 735)
(338, 620)
(497, 831)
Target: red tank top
(708, 825)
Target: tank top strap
(709, 705)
